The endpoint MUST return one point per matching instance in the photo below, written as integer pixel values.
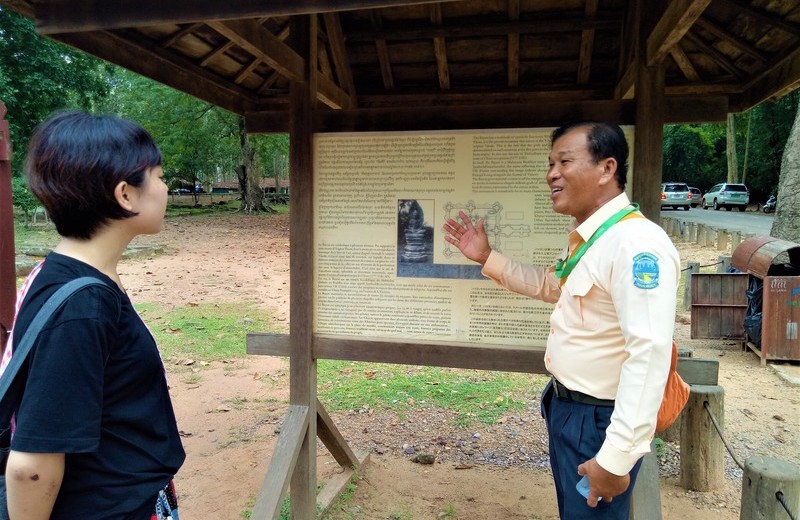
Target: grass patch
(475, 395)
(205, 332)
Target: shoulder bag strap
(37, 324)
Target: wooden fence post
(724, 263)
(763, 478)
(722, 239)
(692, 268)
(702, 449)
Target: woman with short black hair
(95, 433)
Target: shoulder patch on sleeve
(645, 271)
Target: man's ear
(123, 195)
(609, 170)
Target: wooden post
(722, 239)
(692, 231)
(763, 478)
(701, 231)
(736, 239)
(8, 275)
(702, 450)
(302, 365)
(693, 268)
(646, 496)
(724, 263)
(647, 157)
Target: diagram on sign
(505, 229)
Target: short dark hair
(76, 160)
(604, 140)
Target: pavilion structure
(325, 66)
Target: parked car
(697, 196)
(727, 195)
(676, 195)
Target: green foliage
(474, 395)
(22, 198)
(39, 75)
(206, 331)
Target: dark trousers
(575, 433)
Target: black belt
(579, 397)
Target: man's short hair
(604, 140)
(76, 160)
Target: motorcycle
(769, 206)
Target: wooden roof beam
(587, 45)
(61, 16)
(513, 46)
(187, 29)
(150, 60)
(684, 63)
(383, 51)
(246, 71)
(777, 81)
(737, 42)
(481, 28)
(719, 58)
(340, 60)
(762, 16)
(219, 51)
(627, 84)
(262, 44)
(676, 21)
(440, 49)
(275, 76)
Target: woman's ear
(124, 195)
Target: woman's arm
(32, 482)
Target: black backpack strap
(37, 324)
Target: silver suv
(727, 195)
(675, 195)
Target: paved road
(748, 222)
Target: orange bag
(676, 394)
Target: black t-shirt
(96, 390)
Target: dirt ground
(231, 413)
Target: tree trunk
(733, 174)
(746, 148)
(252, 198)
(787, 212)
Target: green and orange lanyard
(563, 268)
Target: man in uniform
(610, 339)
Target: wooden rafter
(778, 80)
(262, 44)
(676, 21)
(719, 58)
(513, 46)
(61, 16)
(684, 63)
(246, 71)
(764, 17)
(325, 62)
(183, 31)
(625, 87)
(151, 60)
(587, 45)
(542, 25)
(440, 49)
(382, 50)
(340, 60)
(275, 76)
(219, 51)
(734, 40)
